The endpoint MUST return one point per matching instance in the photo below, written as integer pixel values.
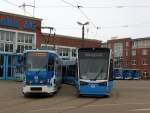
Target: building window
(20, 48)
(65, 52)
(133, 62)
(127, 44)
(74, 53)
(25, 42)
(133, 53)
(1, 46)
(144, 52)
(20, 37)
(9, 47)
(59, 51)
(118, 49)
(144, 62)
(7, 41)
(126, 52)
(2, 35)
(25, 38)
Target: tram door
(7, 66)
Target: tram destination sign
(38, 53)
(93, 54)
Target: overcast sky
(107, 18)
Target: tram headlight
(41, 81)
(49, 82)
(28, 82)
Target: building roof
(71, 37)
(18, 15)
(119, 39)
(145, 38)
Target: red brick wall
(71, 41)
(139, 58)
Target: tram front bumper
(95, 89)
(38, 89)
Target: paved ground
(127, 97)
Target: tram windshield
(36, 61)
(93, 69)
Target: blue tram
(42, 72)
(126, 74)
(95, 71)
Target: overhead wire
(66, 2)
(82, 12)
(95, 7)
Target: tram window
(59, 69)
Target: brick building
(131, 54)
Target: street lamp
(83, 24)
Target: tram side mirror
(50, 65)
(111, 70)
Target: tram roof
(41, 50)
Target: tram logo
(36, 78)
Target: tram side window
(59, 68)
(50, 65)
(72, 70)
